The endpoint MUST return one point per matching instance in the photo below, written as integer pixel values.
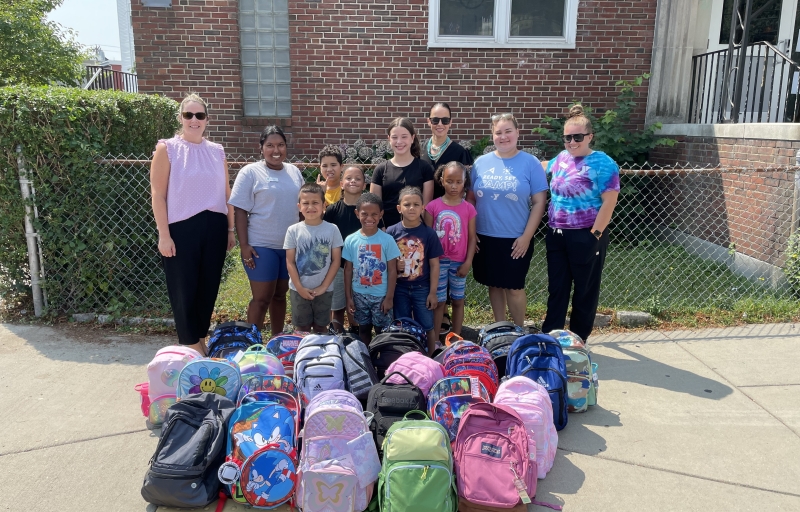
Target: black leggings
(194, 273)
(574, 256)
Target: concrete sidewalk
(686, 420)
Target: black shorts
(493, 265)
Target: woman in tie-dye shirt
(584, 186)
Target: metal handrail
(106, 78)
(765, 94)
(94, 77)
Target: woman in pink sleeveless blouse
(190, 188)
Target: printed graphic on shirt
(448, 228)
(501, 180)
(371, 266)
(412, 250)
(313, 256)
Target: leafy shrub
(612, 134)
(61, 131)
(792, 266)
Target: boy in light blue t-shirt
(370, 271)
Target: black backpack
(387, 347)
(183, 470)
(361, 374)
(497, 339)
(390, 402)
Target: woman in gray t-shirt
(264, 197)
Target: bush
(611, 130)
(61, 132)
(792, 267)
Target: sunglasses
(188, 115)
(444, 120)
(578, 137)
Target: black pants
(194, 273)
(574, 256)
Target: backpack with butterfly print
(339, 463)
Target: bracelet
(231, 230)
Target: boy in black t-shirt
(342, 213)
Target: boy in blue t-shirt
(370, 272)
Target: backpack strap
(235, 323)
(400, 374)
(501, 326)
(416, 411)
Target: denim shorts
(270, 265)
(410, 300)
(368, 311)
(448, 273)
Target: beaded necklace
(429, 147)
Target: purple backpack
(420, 369)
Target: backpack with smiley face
(208, 375)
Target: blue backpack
(540, 358)
(412, 327)
(230, 338)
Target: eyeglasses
(578, 137)
(435, 120)
(188, 115)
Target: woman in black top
(405, 169)
(439, 149)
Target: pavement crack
(76, 441)
(681, 473)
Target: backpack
(318, 365)
(420, 369)
(387, 347)
(390, 402)
(361, 375)
(230, 338)
(261, 466)
(539, 357)
(465, 358)
(284, 347)
(256, 359)
(339, 463)
(271, 388)
(581, 377)
(417, 470)
(183, 469)
(208, 375)
(497, 339)
(532, 402)
(491, 454)
(159, 393)
(412, 327)
(450, 398)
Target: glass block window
(502, 23)
(266, 77)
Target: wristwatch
(597, 233)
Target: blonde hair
(504, 117)
(577, 116)
(191, 97)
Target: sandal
(446, 325)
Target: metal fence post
(31, 237)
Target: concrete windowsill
(752, 131)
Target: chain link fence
(680, 238)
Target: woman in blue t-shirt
(583, 193)
(509, 191)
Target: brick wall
(727, 152)
(356, 65)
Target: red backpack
(467, 359)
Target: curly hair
(438, 176)
(331, 150)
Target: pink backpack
(532, 402)
(491, 455)
(162, 374)
(420, 369)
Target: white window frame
(501, 39)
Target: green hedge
(61, 131)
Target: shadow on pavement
(649, 372)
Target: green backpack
(417, 472)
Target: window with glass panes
(502, 23)
(266, 76)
